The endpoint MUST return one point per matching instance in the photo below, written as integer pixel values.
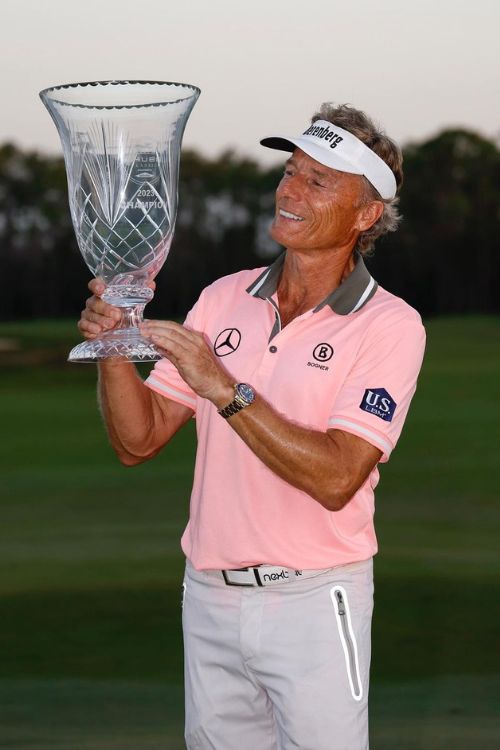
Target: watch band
(244, 395)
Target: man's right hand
(98, 316)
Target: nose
(290, 186)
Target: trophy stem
(132, 317)
(123, 342)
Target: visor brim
(318, 153)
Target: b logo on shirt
(379, 402)
(323, 352)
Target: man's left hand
(190, 353)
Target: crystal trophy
(121, 142)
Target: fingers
(166, 327)
(191, 354)
(97, 286)
(181, 344)
(98, 316)
(168, 334)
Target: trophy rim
(45, 93)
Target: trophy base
(127, 344)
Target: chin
(275, 234)
(282, 237)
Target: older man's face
(317, 208)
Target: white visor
(337, 148)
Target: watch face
(246, 392)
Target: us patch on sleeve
(379, 402)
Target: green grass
(90, 563)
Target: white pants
(280, 667)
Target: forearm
(138, 422)
(127, 409)
(308, 459)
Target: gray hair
(360, 125)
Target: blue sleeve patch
(379, 402)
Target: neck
(307, 279)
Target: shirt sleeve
(375, 398)
(164, 377)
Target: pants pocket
(342, 611)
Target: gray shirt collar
(352, 294)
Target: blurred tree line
(444, 259)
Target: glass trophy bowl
(121, 142)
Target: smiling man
(300, 376)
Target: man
(300, 376)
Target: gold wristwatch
(244, 395)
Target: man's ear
(369, 214)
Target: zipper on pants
(348, 639)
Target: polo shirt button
(273, 349)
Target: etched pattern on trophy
(121, 142)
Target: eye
(318, 184)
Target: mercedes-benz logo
(323, 352)
(227, 342)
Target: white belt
(263, 575)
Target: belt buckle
(228, 582)
(258, 575)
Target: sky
(264, 66)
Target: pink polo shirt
(350, 364)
